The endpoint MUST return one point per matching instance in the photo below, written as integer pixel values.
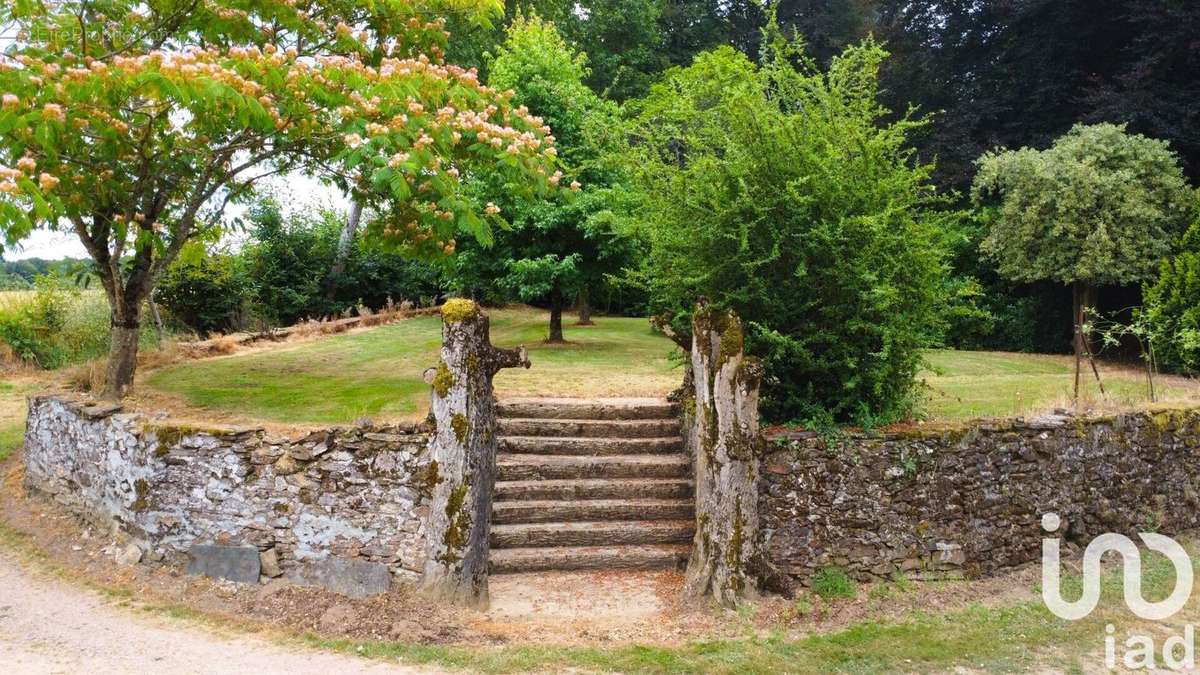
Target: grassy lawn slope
(378, 372)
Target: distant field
(78, 332)
(377, 373)
(10, 300)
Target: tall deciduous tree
(1099, 207)
(559, 248)
(623, 41)
(133, 123)
(1023, 73)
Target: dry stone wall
(331, 505)
(968, 501)
(347, 507)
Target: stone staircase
(590, 485)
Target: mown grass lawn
(965, 384)
(378, 373)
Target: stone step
(597, 533)
(582, 408)
(550, 445)
(519, 467)
(549, 511)
(530, 426)
(594, 488)
(645, 557)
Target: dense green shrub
(34, 328)
(986, 311)
(288, 263)
(207, 293)
(22, 334)
(786, 194)
(374, 276)
(1172, 307)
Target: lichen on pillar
(463, 450)
(721, 428)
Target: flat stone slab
(235, 563)
(348, 576)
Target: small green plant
(803, 606)
(898, 584)
(1152, 521)
(902, 583)
(822, 422)
(833, 582)
(908, 464)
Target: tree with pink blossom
(136, 123)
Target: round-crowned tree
(1099, 207)
(785, 193)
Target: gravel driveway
(47, 626)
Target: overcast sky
(298, 193)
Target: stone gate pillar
(723, 436)
(462, 469)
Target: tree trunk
(556, 307)
(724, 438)
(585, 308)
(122, 353)
(345, 244)
(463, 450)
(1083, 298)
(158, 322)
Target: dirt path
(47, 626)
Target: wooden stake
(1088, 348)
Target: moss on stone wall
(443, 379)
(141, 489)
(732, 340)
(169, 435)
(461, 426)
(458, 523)
(429, 476)
(458, 310)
